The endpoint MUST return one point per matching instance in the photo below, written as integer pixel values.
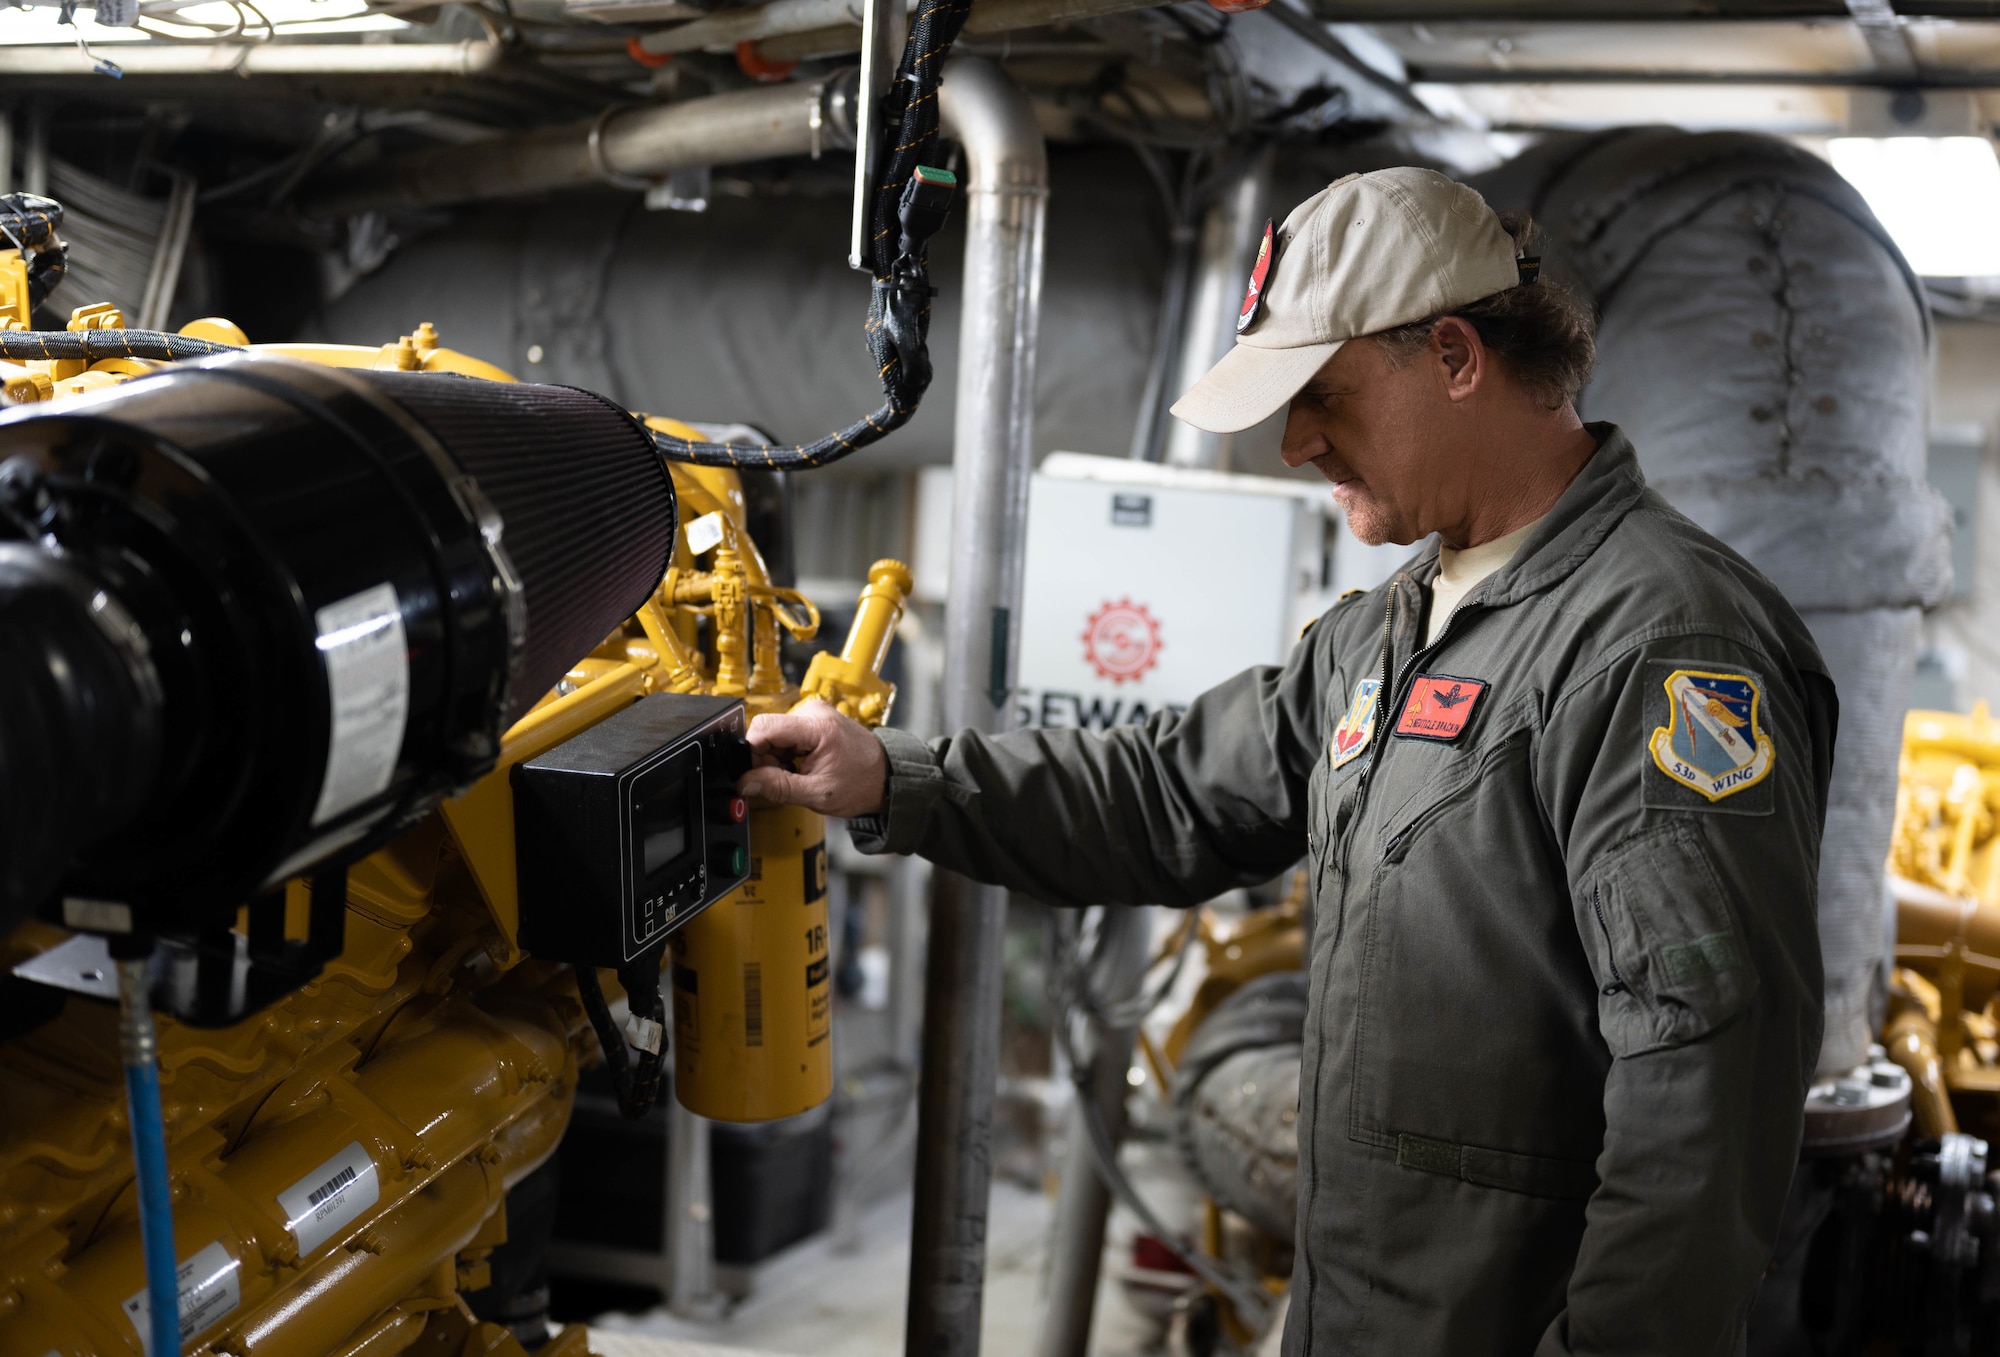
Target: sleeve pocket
(1670, 959)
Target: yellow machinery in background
(1944, 875)
(340, 1161)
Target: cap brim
(1249, 385)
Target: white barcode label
(118, 13)
(209, 1289)
(324, 1202)
(367, 659)
(705, 533)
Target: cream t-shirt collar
(1459, 572)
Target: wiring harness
(910, 204)
(28, 223)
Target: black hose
(899, 308)
(93, 345)
(28, 223)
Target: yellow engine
(1944, 874)
(340, 1160)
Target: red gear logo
(1121, 641)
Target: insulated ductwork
(1764, 344)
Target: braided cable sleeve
(94, 345)
(911, 107)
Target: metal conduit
(626, 147)
(1006, 201)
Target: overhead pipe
(626, 147)
(1006, 201)
(838, 22)
(271, 58)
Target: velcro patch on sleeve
(1439, 707)
(1706, 742)
(1709, 955)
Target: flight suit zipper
(1385, 703)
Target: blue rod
(140, 1048)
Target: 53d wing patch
(1712, 741)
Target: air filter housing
(307, 603)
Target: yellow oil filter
(752, 986)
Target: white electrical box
(1146, 585)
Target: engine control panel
(625, 832)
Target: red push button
(738, 809)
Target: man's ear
(1460, 356)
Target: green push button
(739, 860)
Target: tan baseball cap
(1365, 254)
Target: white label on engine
(705, 533)
(367, 660)
(330, 1198)
(209, 1289)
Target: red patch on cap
(1438, 708)
(1260, 273)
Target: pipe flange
(594, 147)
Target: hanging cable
(637, 1086)
(138, 1044)
(910, 205)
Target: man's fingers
(783, 731)
(776, 786)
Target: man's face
(1384, 434)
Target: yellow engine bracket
(852, 680)
(14, 290)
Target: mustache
(1332, 467)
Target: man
(1560, 783)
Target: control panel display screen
(662, 820)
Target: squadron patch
(1712, 742)
(1351, 736)
(1438, 708)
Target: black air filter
(610, 486)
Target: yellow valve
(852, 680)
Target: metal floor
(841, 1295)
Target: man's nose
(1300, 444)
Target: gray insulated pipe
(1765, 346)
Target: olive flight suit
(1565, 973)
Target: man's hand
(817, 758)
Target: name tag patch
(1438, 707)
(1351, 736)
